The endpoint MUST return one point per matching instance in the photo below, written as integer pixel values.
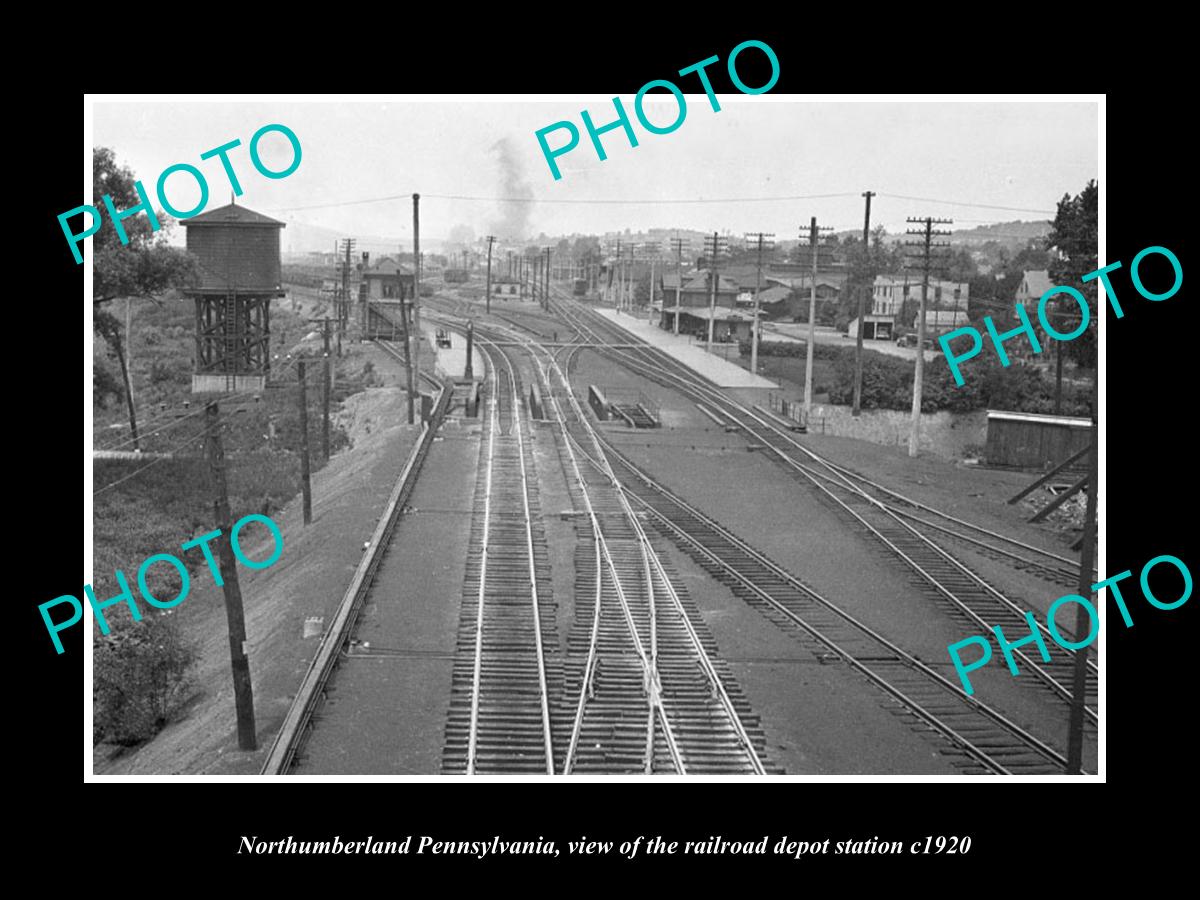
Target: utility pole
(814, 246)
(470, 369)
(344, 308)
(655, 250)
(305, 480)
(546, 292)
(325, 409)
(926, 244)
(1087, 565)
(869, 280)
(1058, 363)
(243, 691)
(677, 246)
(629, 280)
(712, 247)
(488, 292)
(763, 242)
(415, 331)
(611, 273)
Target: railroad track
(983, 740)
(977, 738)
(499, 718)
(961, 591)
(640, 688)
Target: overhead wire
(167, 455)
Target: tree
(144, 267)
(1074, 234)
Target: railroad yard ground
(741, 488)
(387, 707)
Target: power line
(649, 200)
(1048, 212)
(153, 462)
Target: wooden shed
(1030, 441)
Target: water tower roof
(232, 214)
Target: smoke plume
(515, 212)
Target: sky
(766, 160)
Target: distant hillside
(1012, 233)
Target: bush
(141, 677)
(794, 348)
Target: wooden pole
(712, 304)
(488, 292)
(856, 409)
(416, 309)
(305, 481)
(243, 691)
(325, 408)
(813, 236)
(1087, 565)
(914, 436)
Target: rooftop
(232, 214)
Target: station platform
(690, 352)
(452, 360)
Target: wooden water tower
(238, 254)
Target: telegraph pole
(546, 292)
(613, 272)
(344, 308)
(656, 249)
(863, 288)
(926, 244)
(325, 408)
(326, 333)
(415, 331)
(469, 372)
(677, 246)
(712, 246)
(488, 293)
(305, 481)
(763, 242)
(629, 280)
(1087, 565)
(814, 245)
(243, 691)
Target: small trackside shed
(1030, 441)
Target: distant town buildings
(895, 303)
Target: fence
(794, 410)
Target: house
(388, 280)
(697, 289)
(900, 297)
(1034, 283)
(777, 303)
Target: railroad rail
(641, 690)
(963, 592)
(298, 722)
(985, 741)
(499, 717)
